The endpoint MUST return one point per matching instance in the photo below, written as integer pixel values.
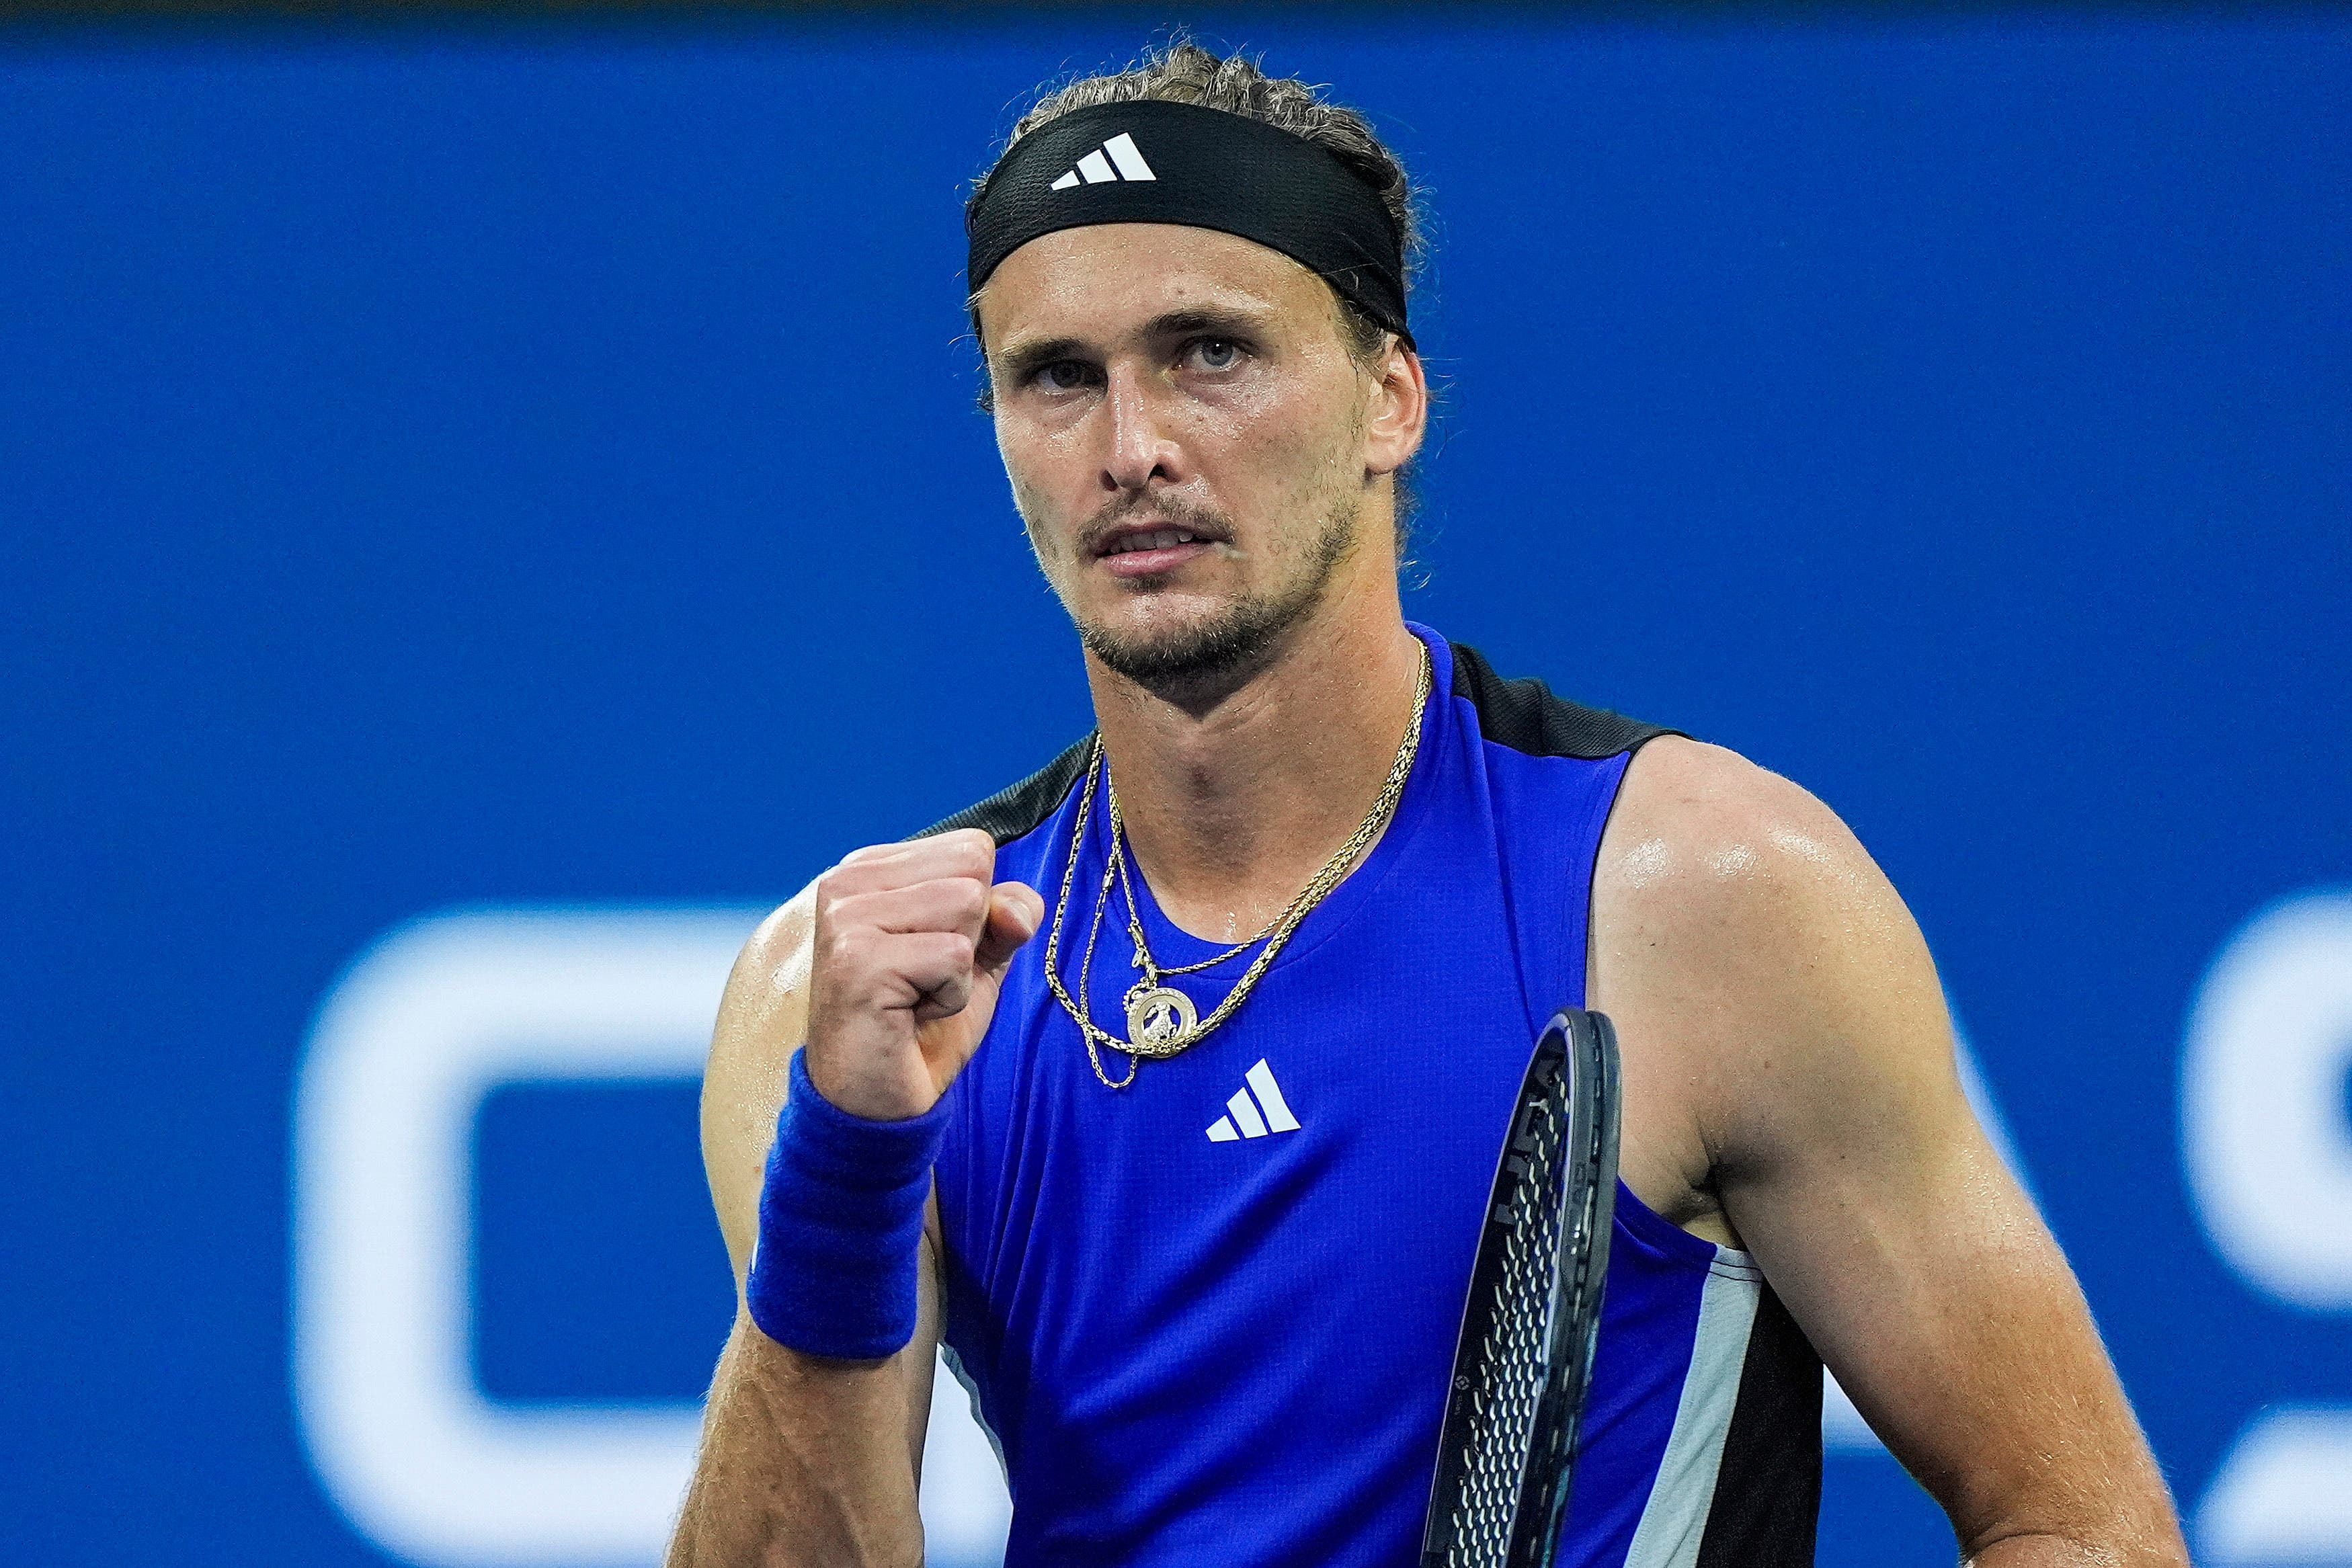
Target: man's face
(1189, 444)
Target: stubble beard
(1202, 662)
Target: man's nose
(1140, 450)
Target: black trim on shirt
(1527, 714)
(1768, 1492)
(1018, 808)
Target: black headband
(1154, 161)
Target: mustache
(1138, 509)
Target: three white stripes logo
(1246, 1110)
(1116, 159)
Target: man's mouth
(1158, 538)
(1148, 551)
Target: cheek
(1036, 472)
(1294, 445)
(1049, 457)
(1038, 518)
(1236, 417)
(1304, 417)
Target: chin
(1219, 645)
(1192, 647)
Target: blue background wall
(447, 464)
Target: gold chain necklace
(1160, 1020)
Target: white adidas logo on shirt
(1276, 1119)
(1097, 166)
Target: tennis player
(1165, 1088)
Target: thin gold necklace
(1160, 1020)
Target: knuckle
(836, 917)
(975, 850)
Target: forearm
(804, 1462)
(2145, 1549)
(2117, 1514)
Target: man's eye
(1063, 375)
(1217, 353)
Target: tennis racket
(1520, 1369)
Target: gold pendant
(1157, 1015)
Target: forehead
(1107, 279)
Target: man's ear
(1399, 414)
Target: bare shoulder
(1713, 850)
(1702, 839)
(1766, 977)
(761, 1017)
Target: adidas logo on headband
(1209, 169)
(1096, 167)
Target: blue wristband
(840, 1216)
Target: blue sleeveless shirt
(1210, 1317)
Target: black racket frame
(1575, 1066)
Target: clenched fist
(911, 943)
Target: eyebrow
(1020, 363)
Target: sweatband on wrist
(1157, 162)
(841, 1217)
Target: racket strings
(1508, 1381)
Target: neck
(1232, 804)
